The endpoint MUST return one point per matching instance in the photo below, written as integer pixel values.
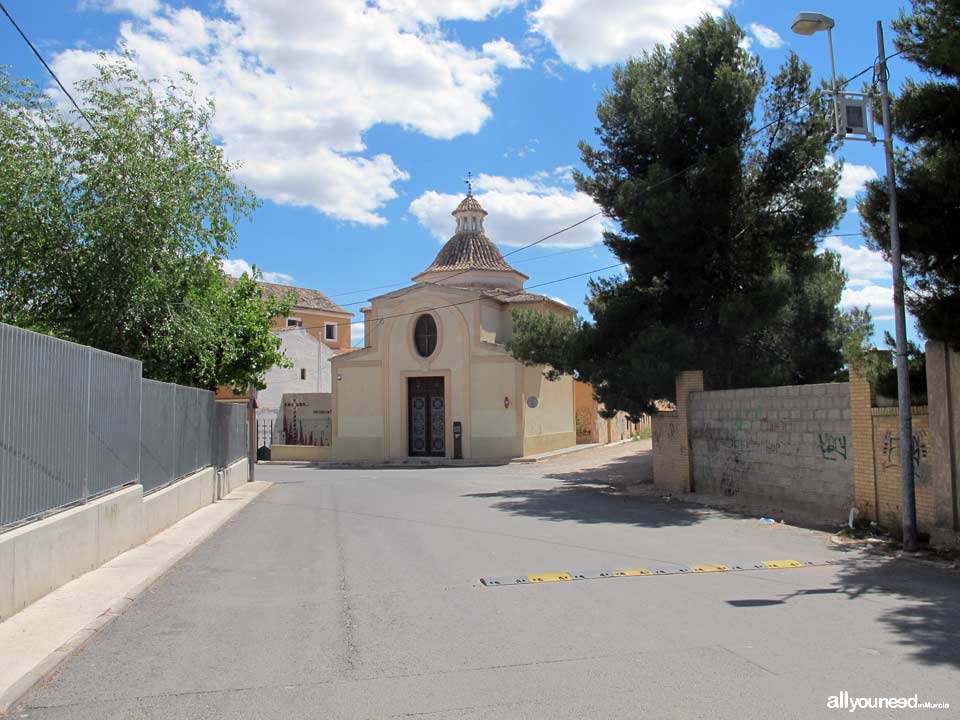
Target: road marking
(643, 572)
(632, 572)
(549, 577)
(781, 564)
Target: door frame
(405, 378)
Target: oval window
(425, 335)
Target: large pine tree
(718, 222)
(926, 116)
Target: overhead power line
(498, 295)
(48, 68)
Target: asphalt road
(356, 594)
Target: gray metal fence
(178, 426)
(230, 439)
(76, 422)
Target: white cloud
(505, 54)
(237, 266)
(140, 8)
(768, 37)
(561, 301)
(863, 265)
(586, 34)
(433, 11)
(878, 297)
(521, 210)
(297, 85)
(866, 269)
(852, 178)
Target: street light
(806, 23)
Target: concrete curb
(549, 455)
(413, 464)
(30, 649)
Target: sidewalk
(39, 637)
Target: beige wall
(358, 420)
(585, 414)
(550, 425)
(886, 453)
(494, 427)
(672, 470)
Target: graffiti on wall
(833, 447)
(890, 452)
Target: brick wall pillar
(864, 472)
(688, 381)
(943, 401)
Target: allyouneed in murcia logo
(844, 701)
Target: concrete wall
(781, 449)
(164, 507)
(40, 556)
(302, 453)
(818, 449)
(943, 392)
(672, 470)
(233, 476)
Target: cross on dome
(469, 258)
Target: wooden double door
(426, 417)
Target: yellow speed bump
(548, 577)
(632, 572)
(708, 568)
(781, 564)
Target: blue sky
(356, 122)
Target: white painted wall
(305, 352)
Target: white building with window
(311, 371)
(434, 378)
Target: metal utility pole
(908, 503)
(251, 432)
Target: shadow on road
(594, 495)
(926, 619)
(926, 599)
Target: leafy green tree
(717, 228)
(926, 116)
(111, 235)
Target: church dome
(469, 203)
(469, 257)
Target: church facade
(434, 379)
